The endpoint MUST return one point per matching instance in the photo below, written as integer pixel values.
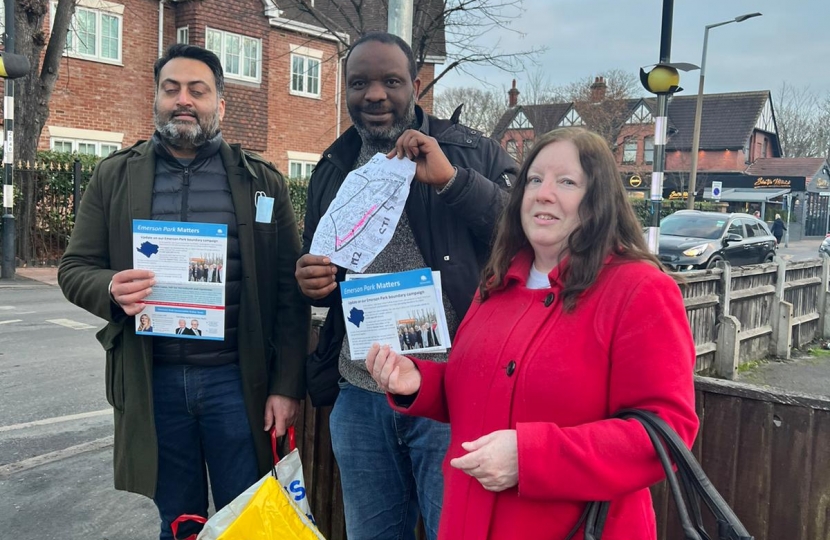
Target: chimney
(513, 95)
(598, 90)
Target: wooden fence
(741, 314)
(768, 453)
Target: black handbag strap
(730, 527)
(670, 448)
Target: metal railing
(46, 197)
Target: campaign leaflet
(402, 310)
(189, 260)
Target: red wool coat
(627, 345)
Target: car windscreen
(710, 227)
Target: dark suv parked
(690, 240)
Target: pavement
(807, 372)
(24, 277)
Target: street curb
(20, 282)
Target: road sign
(717, 187)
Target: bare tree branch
(482, 108)
(802, 121)
(460, 24)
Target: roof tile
(807, 167)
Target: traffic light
(664, 79)
(13, 66)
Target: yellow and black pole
(662, 80)
(11, 66)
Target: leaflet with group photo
(188, 259)
(403, 310)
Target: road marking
(69, 323)
(56, 420)
(6, 308)
(11, 321)
(51, 457)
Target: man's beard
(185, 135)
(383, 135)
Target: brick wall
(246, 103)
(427, 74)
(708, 160)
(299, 123)
(761, 146)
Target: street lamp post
(690, 203)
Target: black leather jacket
(453, 230)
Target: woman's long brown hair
(607, 223)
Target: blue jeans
(200, 420)
(390, 466)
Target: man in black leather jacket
(391, 465)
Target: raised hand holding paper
(362, 218)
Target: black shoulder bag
(689, 485)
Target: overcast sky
(790, 42)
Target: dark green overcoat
(273, 318)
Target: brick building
(283, 73)
(736, 129)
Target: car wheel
(770, 257)
(713, 262)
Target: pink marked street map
(362, 218)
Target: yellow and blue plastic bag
(274, 508)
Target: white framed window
(95, 32)
(95, 148)
(183, 35)
(241, 55)
(648, 150)
(305, 75)
(300, 164)
(300, 170)
(59, 145)
(630, 150)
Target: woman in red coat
(574, 320)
